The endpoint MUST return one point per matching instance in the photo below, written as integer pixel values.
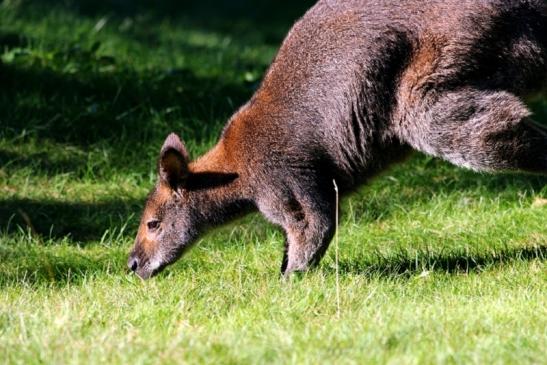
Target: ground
(437, 264)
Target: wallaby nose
(133, 263)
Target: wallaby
(354, 87)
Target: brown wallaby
(355, 85)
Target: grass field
(437, 264)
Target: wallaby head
(169, 222)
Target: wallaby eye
(153, 225)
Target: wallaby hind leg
(481, 130)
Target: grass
(437, 264)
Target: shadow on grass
(40, 161)
(12, 40)
(80, 222)
(36, 266)
(89, 104)
(268, 20)
(39, 267)
(403, 265)
(438, 178)
(91, 107)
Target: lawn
(437, 264)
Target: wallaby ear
(173, 164)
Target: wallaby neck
(218, 186)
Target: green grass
(437, 264)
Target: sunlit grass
(437, 264)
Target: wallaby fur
(354, 87)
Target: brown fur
(356, 85)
